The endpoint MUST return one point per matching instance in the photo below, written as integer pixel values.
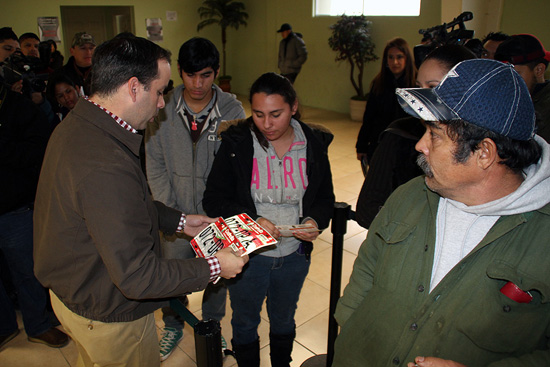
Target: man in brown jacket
(96, 227)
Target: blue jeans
(214, 297)
(280, 279)
(16, 246)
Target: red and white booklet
(239, 231)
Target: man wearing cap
(79, 65)
(530, 59)
(292, 52)
(454, 270)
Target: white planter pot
(357, 109)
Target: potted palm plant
(225, 13)
(352, 41)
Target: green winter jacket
(388, 316)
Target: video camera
(29, 69)
(439, 36)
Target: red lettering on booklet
(513, 292)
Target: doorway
(102, 22)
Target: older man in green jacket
(454, 271)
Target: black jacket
(393, 164)
(81, 79)
(228, 186)
(24, 133)
(380, 111)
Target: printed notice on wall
(171, 16)
(48, 28)
(154, 29)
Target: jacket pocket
(499, 324)
(389, 268)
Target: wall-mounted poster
(171, 16)
(48, 27)
(154, 29)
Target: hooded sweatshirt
(278, 186)
(460, 228)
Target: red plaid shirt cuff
(215, 269)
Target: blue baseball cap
(482, 92)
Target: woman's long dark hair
(380, 80)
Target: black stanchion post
(342, 213)
(208, 344)
(339, 228)
(208, 336)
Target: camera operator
(8, 45)
(29, 44)
(439, 35)
(23, 138)
(25, 73)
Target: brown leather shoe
(54, 338)
(6, 338)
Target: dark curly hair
(515, 154)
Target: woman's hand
(269, 226)
(307, 236)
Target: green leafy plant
(225, 13)
(351, 39)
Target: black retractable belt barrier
(342, 213)
(208, 336)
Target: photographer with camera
(441, 35)
(23, 138)
(29, 44)
(24, 72)
(8, 45)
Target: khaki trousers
(119, 344)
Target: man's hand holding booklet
(240, 232)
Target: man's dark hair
(476, 46)
(6, 33)
(121, 58)
(515, 154)
(495, 36)
(198, 53)
(28, 35)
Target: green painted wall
(322, 82)
(22, 18)
(253, 50)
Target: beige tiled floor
(312, 314)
